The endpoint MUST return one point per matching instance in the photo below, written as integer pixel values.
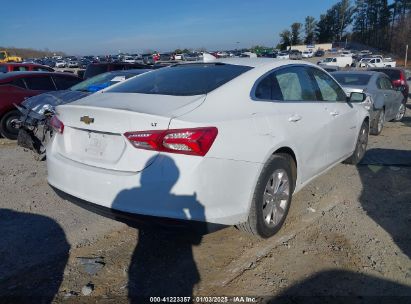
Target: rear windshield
(393, 74)
(352, 79)
(182, 80)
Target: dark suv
(15, 87)
(94, 69)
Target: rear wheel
(378, 123)
(272, 197)
(401, 113)
(8, 124)
(360, 147)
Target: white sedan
(308, 54)
(224, 142)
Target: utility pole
(406, 55)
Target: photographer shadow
(162, 263)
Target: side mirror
(357, 97)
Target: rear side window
(43, 69)
(43, 83)
(182, 80)
(392, 73)
(288, 84)
(20, 68)
(63, 83)
(352, 79)
(329, 89)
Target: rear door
(343, 124)
(392, 98)
(288, 98)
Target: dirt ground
(347, 238)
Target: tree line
(377, 23)
(30, 53)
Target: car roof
(22, 64)
(268, 63)
(370, 73)
(29, 73)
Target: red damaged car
(15, 87)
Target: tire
(401, 112)
(272, 197)
(378, 123)
(6, 124)
(360, 146)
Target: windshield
(182, 80)
(352, 79)
(100, 82)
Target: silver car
(383, 101)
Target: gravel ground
(347, 234)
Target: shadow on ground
(33, 254)
(162, 263)
(338, 286)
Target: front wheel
(272, 197)
(8, 124)
(360, 147)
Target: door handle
(294, 118)
(385, 94)
(335, 113)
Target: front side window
(329, 89)
(41, 83)
(287, 84)
(19, 83)
(386, 84)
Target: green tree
(285, 39)
(310, 25)
(295, 33)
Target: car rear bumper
(173, 186)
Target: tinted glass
(182, 80)
(3, 69)
(352, 79)
(288, 84)
(40, 83)
(63, 83)
(329, 89)
(20, 68)
(392, 73)
(19, 83)
(385, 83)
(44, 69)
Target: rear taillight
(196, 141)
(56, 124)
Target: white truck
(341, 62)
(379, 63)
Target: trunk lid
(94, 127)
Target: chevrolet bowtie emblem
(87, 120)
